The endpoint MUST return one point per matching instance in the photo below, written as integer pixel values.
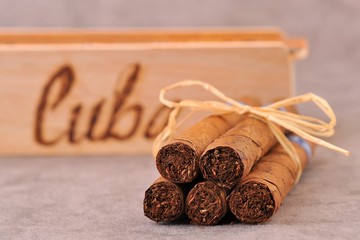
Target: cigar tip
(222, 165)
(252, 202)
(177, 162)
(163, 202)
(206, 204)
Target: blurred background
(332, 28)
(100, 198)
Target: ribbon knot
(307, 127)
(247, 109)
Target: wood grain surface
(83, 93)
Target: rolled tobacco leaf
(178, 161)
(165, 201)
(259, 195)
(206, 203)
(234, 153)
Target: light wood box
(82, 92)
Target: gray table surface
(101, 197)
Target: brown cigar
(206, 203)
(234, 153)
(259, 195)
(178, 161)
(164, 201)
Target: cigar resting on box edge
(259, 195)
(178, 161)
(233, 154)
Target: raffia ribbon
(307, 127)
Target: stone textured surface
(101, 197)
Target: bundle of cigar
(224, 165)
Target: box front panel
(105, 100)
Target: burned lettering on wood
(58, 89)
(120, 98)
(157, 122)
(65, 77)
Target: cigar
(206, 203)
(178, 161)
(234, 153)
(259, 195)
(164, 201)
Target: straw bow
(307, 127)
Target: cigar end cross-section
(206, 203)
(177, 162)
(252, 202)
(222, 165)
(164, 201)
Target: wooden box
(96, 92)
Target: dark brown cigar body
(259, 195)
(178, 161)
